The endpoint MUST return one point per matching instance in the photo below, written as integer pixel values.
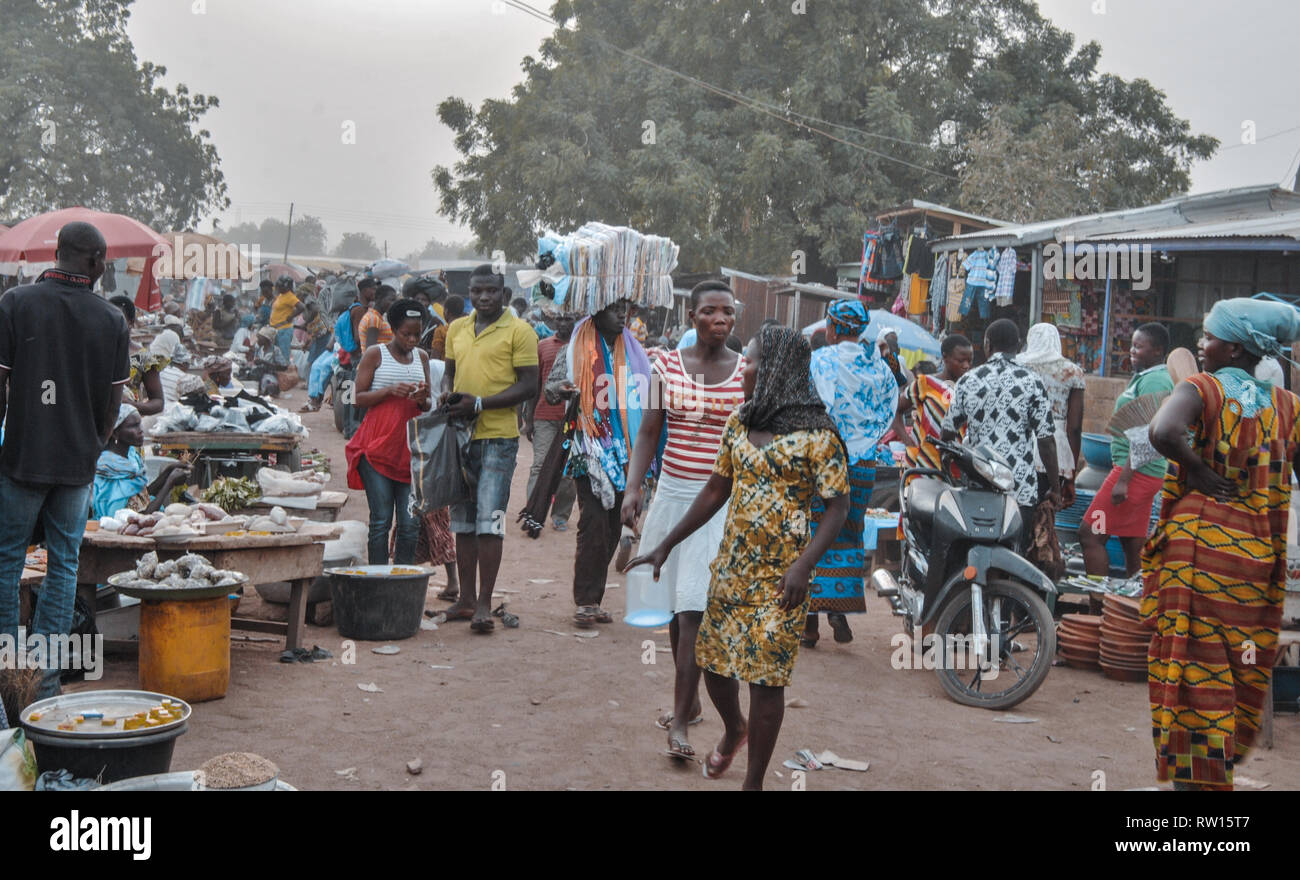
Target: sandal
(447, 594)
(805, 642)
(603, 616)
(482, 626)
(585, 616)
(462, 614)
(664, 722)
(718, 763)
(510, 620)
(679, 749)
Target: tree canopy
(358, 246)
(86, 123)
(799, 126)
(308, 235)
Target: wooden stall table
(276, 449)
(295, 557)
(327, 509)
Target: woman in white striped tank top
(693, 391)
(392, 384)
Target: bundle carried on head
(597, 265)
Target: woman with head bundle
(693, 392)
(779, 450)
(1214, 572)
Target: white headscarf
(124, 412)
(165, 344)
(1043, 346)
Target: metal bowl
(172, 593)
(115, 703)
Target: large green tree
(84, 122)
(270, 235)
(746, 178)
(358, 246)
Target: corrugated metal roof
(921, 205)
(1255, 211)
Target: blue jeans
(490, 466)
(388, 498)
(63, 511)
(318, 347)
(284, 339)
(322, 368)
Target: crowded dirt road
(529, 709)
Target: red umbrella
(34, 241)
(275, 270)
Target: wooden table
(327, 508)
(296, 558)
(211, 444)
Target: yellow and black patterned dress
(744, 634)
(1214, 576)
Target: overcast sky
(291, 73)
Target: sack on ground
(439, 447)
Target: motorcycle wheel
(340, 408)
(1024, 629)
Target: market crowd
(743, 467)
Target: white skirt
(687, 566)
(1064, 454)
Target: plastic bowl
(1096, 450)
(379, 602)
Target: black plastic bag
(439, 446)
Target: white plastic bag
(17, 761)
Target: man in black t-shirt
(64, 357)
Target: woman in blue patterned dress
(861, 394)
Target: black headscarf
(784, 400)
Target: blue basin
(1096, 450)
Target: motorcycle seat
(921, 499)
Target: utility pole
(385, 249)
(288, 233)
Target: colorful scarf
(118, 479)
(612, 386)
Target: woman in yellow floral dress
(779, 451)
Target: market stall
(217, 454)
(294, 557)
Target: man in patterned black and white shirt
(1005, 407)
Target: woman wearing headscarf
(1214, 572)
(860, 392)
(1063, 379)
(120, 476)
(144, 389)
(779, 451)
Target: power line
(1261, 140)
(752, 103)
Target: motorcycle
(992, 640)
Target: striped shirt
(391, 372)
(696, 416)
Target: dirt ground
(529, 709)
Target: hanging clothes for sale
(956, 286)
(917, 258)
(939, 288)
(1006, 283)
(889, 255)
(869, 279)
(918, 291)
(981, 279)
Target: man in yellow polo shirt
(491, 368)
(284, 309)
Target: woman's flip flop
(718, 763)
(665, 722)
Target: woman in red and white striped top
(693, 391)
